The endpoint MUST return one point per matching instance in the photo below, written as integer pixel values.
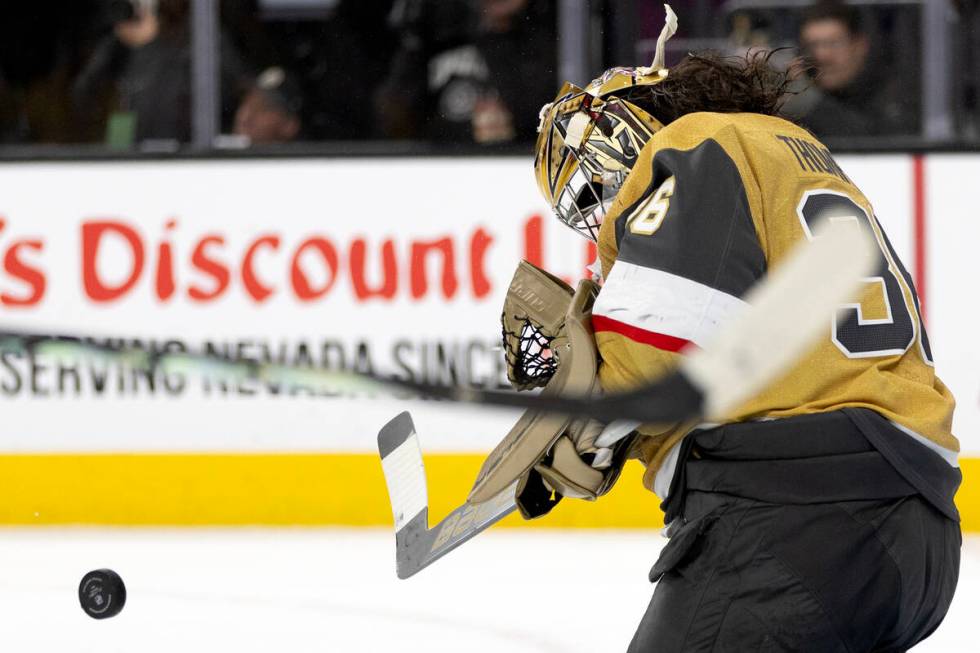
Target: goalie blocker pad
(536, 432)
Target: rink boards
(396, 265)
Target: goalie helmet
(589, 138)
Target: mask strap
(669, 29)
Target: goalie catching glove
(533, 322)
(548, 341)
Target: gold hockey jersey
(713, 202)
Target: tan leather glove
(532, 322)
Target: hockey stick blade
(416, 545)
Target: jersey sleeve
(679, 251)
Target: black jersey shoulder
(707, 235)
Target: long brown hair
(709, 81)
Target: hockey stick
(784, 317)
(785, 314)
(416, 545)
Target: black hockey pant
(849, 576)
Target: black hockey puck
(102, 593)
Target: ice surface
(335, 590)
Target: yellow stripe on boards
(968, 498)
(266, 489)
(291, 489)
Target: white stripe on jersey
(664, 303)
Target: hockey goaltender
(819, 516)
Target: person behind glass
(467, 71)
(852, 93)
(271, 109)
(144, 63)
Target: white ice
(335, 590)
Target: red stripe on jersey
(658, 340)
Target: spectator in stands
(145, 64)
(271, 109)
(852, 93)
(468, 76)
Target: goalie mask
(589, 139)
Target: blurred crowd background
(192, 75)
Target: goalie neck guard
(589, 139)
